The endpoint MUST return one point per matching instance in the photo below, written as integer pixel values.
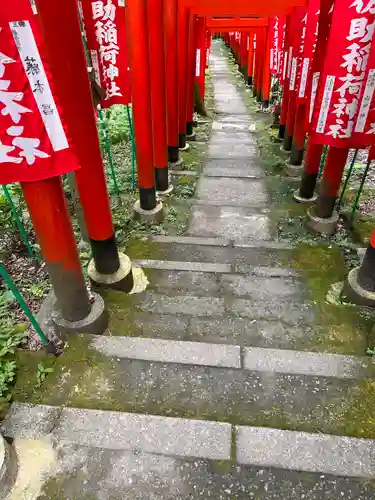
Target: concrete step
(238, 190)
(288, 390)
(238, 252)
(231, 150)
(228, 222)
(188, 438)
(239, 169)
(129, 475)
(256, 306)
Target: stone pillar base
(166, 192)
(154, 216)
(293, 170)
(185, 148)
(8, 467)
(355, 293)
(176, 165)
(321, 226)
(299, 198)
(285, 151)
(95, 323)
(191, 137)
(120, 280)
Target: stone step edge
(218, 242)
(258, 359)
(217, 268)
(255, 207)
(256, 446)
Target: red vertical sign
(33, 140)
(343, 76)
(308, 49)
(105, 27)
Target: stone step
(226, 329)
(232, 356)
(130, 475)
(243, 251)
(228, 222)
(255, 208)
(205, 279)
(238, 190)
(188, 438)
(229, 150)
(234, 168)
(270, 398)
(257, 306)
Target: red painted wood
(62, 35)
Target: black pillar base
(288, 141)
(255, 92)
(161, 179)
(296, 157)
(259, 96)
(173, 154)
(265, 104)
(325, 205)
(147, 198)
(105, 255)
(281, 134)
(181, 141)
(250, 81)
(366, 274)
(308, 184)
(189, 128)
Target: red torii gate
(235, 23)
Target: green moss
(364, 227)
(138, 248)
(81, 378)
(339, 328)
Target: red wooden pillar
(208, 47)
(191, 70)
(290, 121)
(183, 33)
(250, 63)
(243, 51)
(299, 134)
(158, 93)
(67, 63)
(310, 172)
(136, 14)
(256, 63)
(200, 55)
(261, 55)
(49, 212)
(170, 44)
(266, 81)
(331, 180)
(286, 66)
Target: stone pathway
(204, 388)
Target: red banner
(364, 130)
(105, 28)
(281, 42)
(308, 49)
(349, 43)
(33, 140)
(324, 27)
(274, 33)
(297, 41)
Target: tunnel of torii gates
(153, 53)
